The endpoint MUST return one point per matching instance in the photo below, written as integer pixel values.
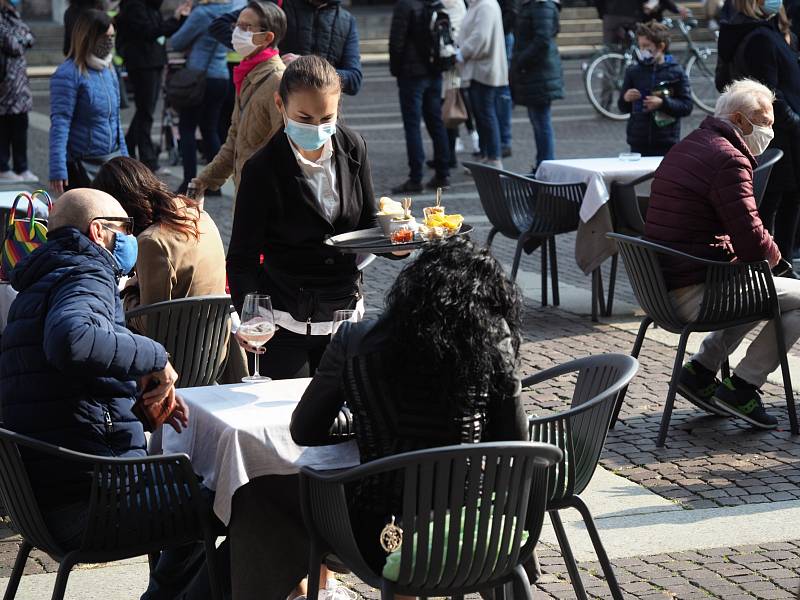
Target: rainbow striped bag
(23, 236)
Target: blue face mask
(126, 250)
(772, 7)
(14, 3)
(309, 137)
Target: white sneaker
(459, 146)
(28, 176)
(9, 176)
(476, 142)
(497, 164)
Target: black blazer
(277, 215)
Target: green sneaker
(744, 402)
(698, 388)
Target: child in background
(657, 94)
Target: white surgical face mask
(242, 42)
(759, 138)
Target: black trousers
(290, 355)
(146, 89)
(14, 142)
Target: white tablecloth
(239, 432)
(598, 173)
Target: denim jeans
(180, 573)
(421, 99)
(542, 132)
(505, 107)
(206, 117)
(484, 106)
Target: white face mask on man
(759, 139)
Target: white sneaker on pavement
(28, 176)
(459, 146)
(476, 141)
(9, 176)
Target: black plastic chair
(195, 333)
(496, 490)
(735, 293)
(761, 173)
(580, 433)
(628, 209)
(525, 209)
(136, 506)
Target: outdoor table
(591, 245)
(239, 432)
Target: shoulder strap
(254, 86)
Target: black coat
(536, 76)
(277, 215)
(68, 366)
(642, 129)
(139, 26)
(756, 48)
(15, 39)
(410, 41)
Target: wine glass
(340, 316)
(258, 326)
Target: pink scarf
(241, 70)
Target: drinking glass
(258, 326)
(340, 316)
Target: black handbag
(186, 88)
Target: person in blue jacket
(320, 27)
(85, 128)
(208, 55)
(657, 94)
(70, 371)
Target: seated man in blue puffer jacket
(70, 370)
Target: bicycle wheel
(603, 82)
(700, 69)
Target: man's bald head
(76, 208)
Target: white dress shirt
(321, 176)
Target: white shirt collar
(327, 153)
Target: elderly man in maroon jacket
(702, 203)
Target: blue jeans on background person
(421, 99)
(484, 106)
(206, 117)
(542, 132)
(505, 107)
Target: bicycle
(605, 72)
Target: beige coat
(249, 130)
(171, 265)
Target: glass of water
(340, 316)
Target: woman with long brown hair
(85, 129)
(180, 249)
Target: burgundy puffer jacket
(702, 203)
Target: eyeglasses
(126, 223)
(255, 29)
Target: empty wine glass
(340, 316)
(257, 328)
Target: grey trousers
(762, 357)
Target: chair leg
(64, 569)
(787, 378)
(611, 579)
(211, 564)
(554, 271)
(517, 256)
(152, 560)
(490, 239)
(725, 370)
(637, 347)
(612, 280)
(544, 272)
(673, 388)
(314, 563)
(569, 558)
(16, 573)
(387, 590)
(522, 586)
